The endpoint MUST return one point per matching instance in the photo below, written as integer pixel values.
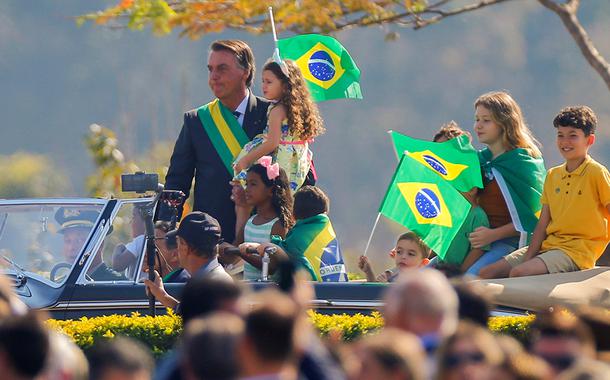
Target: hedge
(160, 333)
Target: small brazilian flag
(327, 67)
(426, 204)
(455, 160)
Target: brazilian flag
(312, 244)
(327, 67)
(455, 160)
(425, 203)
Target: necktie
(237, 114)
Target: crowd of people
(434, 328)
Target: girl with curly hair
(293, 122)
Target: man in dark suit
(230, 74)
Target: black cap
(69, 218)
(199, 229)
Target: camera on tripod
(140, 182)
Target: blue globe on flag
(435, 164)
(427, 203)
(321, 66)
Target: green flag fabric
(327, 67)
(454, 160)
(419, 200)
(520, 178)
(312, 244)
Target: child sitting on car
(410, 252)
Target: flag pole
(394, 146)
(368, 243)
(273, 29)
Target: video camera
(140, 182)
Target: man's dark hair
(202, 296)
(120, 353)
(310, 201)
(270, 326)
(475, 306)
(243, 55)
(24, 340)
(579, 117)
(210, 346)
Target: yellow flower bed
(160, 333)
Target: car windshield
(43, 238)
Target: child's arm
(279, 229)
(483, 236)
(365, 266)
(271, 142)
(471, 258)
(539, 233)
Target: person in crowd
(311, 206)
(586, 369)
(10, 304)
(198, 237)
(513, 174)
(474, 304)
(24, 346)
(561, 339)
(391, 354)
(65, 361)
(201, 150)
(119, 358)
(75, 228)
(125, 256)
(424, 303)
(218, 336)
(293, 122)
(573, 230)
(410, 252)
(470, 353)
(168, 262)
(269, 346)
(201, 298)
(268, 191)
(519, 364)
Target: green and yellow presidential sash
(224, 131)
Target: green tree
(110, 162)
(26, 175)
(195, 18)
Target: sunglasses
(456, 360)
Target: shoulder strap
(224, 131)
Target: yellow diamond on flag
(321, 66)
(445, 169)
(426, 203)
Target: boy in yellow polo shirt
(574, 225)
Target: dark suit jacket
(194, 155)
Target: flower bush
(161, 332)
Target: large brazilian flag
(454, 160)
(327, 67)
(425, 203)
(313, 245)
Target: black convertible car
(54, 269)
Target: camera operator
(198, 237)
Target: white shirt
(241, 108)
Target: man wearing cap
(198, 237)
(75, 227)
